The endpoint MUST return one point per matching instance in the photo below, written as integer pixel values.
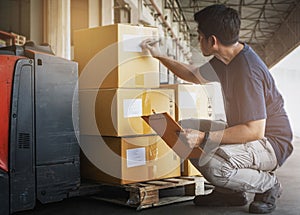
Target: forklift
(39, 149)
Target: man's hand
(153, 46)
(192, 137)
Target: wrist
(159, 56)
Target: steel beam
(285, 39)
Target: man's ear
(213, 39)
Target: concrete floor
(288, 204)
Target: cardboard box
(111, 57)
(121, 160)
(188, 169)
(117, 112)
(216, 102)
(191, 101)
(198, 101)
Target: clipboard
(167, 128)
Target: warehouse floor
(288, 204)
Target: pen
(154, 42)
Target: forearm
(184, 71)
(240, 133)
(233, 135)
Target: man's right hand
(184, 71)
(192, 137)
(152, 45)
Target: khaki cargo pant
(240, 167)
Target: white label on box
(187, 100)
(131, 43)
(132, 108)
(136, 157)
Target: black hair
(221, 21)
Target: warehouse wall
(23, 17)
(36, 21)
(287, 76)
(57, 26)
(15, 16)
(79, 15)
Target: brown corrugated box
(117, 112)
(191, 101)
(188, 169)
(131, 159)
(200, 102)
(110, 57)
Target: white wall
(287, 76)
(36, 21)
(57, 29)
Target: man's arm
(186, 72)
(243, 133)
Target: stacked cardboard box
(111, 57)
(118, 111)
(118, 84)
(191, 101)
(134, 159)
(198, 102)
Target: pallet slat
(156, 193)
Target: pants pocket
(236, 154)
(263, 153)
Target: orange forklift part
(7, 66)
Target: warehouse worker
(258, 137)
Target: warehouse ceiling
(260, 19)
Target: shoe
(221, 199)
(265, 202)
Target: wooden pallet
(153, 193)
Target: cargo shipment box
(123, 160)
(111, 57)
(192, 101)
(188, 169)
(117, 112)
(216, 101)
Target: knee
(217, 172)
